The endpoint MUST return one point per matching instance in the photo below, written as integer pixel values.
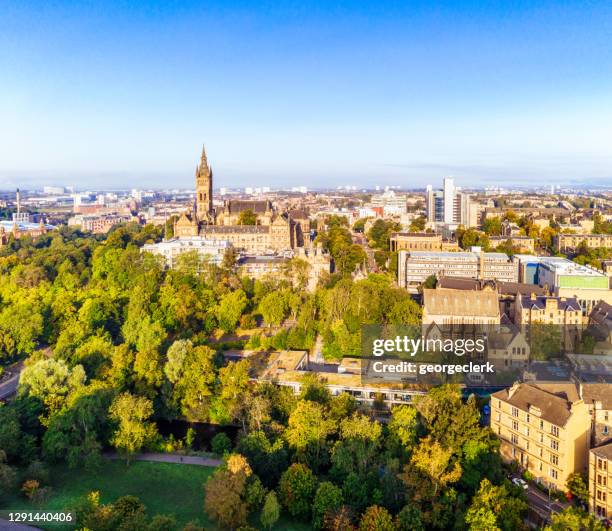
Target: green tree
(273, 307)
(307, 431)
(493, 507)
(492, 226)
(247, 217)
(409, 519)
(230, 404)
(270, 512)
(230, 308)
(418, 224)
(8, 476)
(376, 518)
(221, 444)
(574, 519)
(133, 431)
(327, 500)
(51, 381)
(577, 486)
(297, 489)
(402, 429)
(359, 442)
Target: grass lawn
(164, 488)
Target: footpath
(170, 458)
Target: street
(538, 501)
(9, 387)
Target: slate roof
(442, 301)
(539, 302)
(553, 408)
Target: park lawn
(164, 488)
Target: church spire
(204, 207)
(203, 159)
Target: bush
(221, 444)
(38, 471)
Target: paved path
(171, 458)
(5, 525)
(9, 387)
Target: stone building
(273, 231)
(600, 481)
(546, 433)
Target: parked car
(520, 482)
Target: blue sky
(314, 93)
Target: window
(527, 431)
(554, 445)
(527, 418)
(553, 473)
(541, 424)
(514, 439)
(554, 430)
(514, 412)
(554, 459)
(515, 425)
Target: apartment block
(600, 481)
(544, 432)
(570, 242)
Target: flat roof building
(415, 266)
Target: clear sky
(314, 93)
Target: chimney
(533, 296)
(513, 389)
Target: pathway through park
(171, 458)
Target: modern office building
(450, 206)
(563, 278)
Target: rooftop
(444, 301)
(553, 408)
(603, 451)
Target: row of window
(553, 473)
(554, 458)
(554, 430)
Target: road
(362, 240)
(538, 501)
(9, 387)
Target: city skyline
(316, 94)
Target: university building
(420, 241)
(415, 266)
(272, 231)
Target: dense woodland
(113, 344)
